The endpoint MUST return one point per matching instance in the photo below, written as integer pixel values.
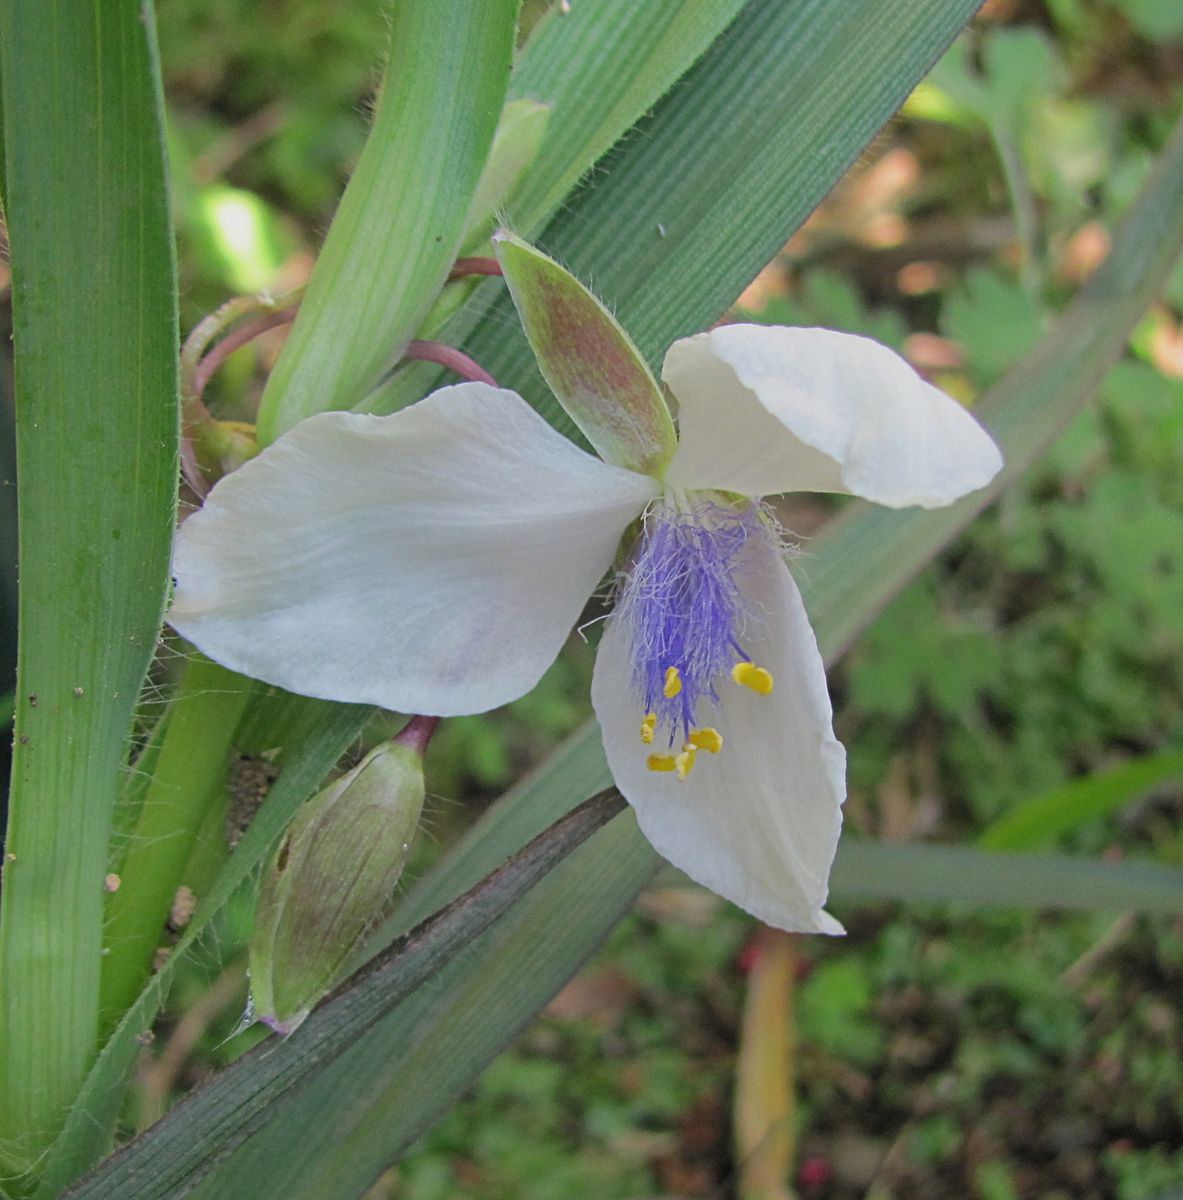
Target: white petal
(766, 409)
(757, 822)
(432, 561)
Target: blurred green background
(939, 1052)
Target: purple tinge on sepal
(682, 600)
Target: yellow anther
(678, 763)
(673, 683)
(684, 761)
(647, 727)
(748, 675)
(706, 738)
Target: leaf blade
(402, 218)
(96, 399)
(928, 874)
(645, 49)
(1041, 818)
(176, 1154)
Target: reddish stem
(416, 733)
(448, 356)
(474, 266)
(216, 356)
(435, 352)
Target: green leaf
(94, 298)
(402, 219)
(922, 874)
(389, 1088)
(1020, 71)
(1043, 818)
(600, 67)
(590, 363)
(1020, 66)
(183, 1148)
(948, 666)
(1154, 18)
(993, 319)
(644, 49)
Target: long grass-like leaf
(600, 67)
(94, 298)
(1038, 821)
(921, 874)
(401, 221)
(169, 1161)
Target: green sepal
(330, 881)
(589, 362)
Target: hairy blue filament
(682, 602)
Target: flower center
(688, 615)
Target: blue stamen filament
(685, 608)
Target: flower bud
(234, 443)
(330, 880)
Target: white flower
(434, 562)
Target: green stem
(1025, 209)
(208, 854)
(189, 779)
(213, 326)
(209, 445)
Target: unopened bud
(234, 443)
(223, 446)
(331, 879)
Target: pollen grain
(706, 738)
(748, 675)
